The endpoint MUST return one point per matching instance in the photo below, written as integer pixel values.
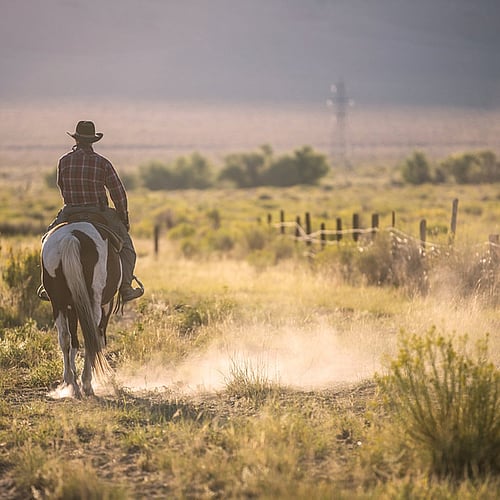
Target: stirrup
(42, 293)
(133, 293)
(138, 281)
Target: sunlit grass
(241, 374)
(448, 403)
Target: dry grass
(239, 374)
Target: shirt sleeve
(116, 189)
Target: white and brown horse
(81, 272)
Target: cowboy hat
(85, 131)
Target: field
(255, 366)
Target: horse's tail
(73, 272)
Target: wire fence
(325, 237)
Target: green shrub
(220, 240)
(473, 168)
(283, 172)
(385, 260)
(311, 166)
(245, 169)
(416, 169)
(256, 238)
(33, 352)
(193, 172)
(305, 166)
(156, 176)
(21, 274)
(182, 230)
(447, 401)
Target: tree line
(464, 168)
(302, 167)
(240, 170)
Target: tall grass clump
(21, 274)
(250, 381)
(31, 353)
(470, 273)
(446, 398)
(37, 474)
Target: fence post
(453, 225)
(156, 237)
(375, 222)
(269, 219)
(355, 226)
(423, 233)
(282, 221)
(393, 221)
(323, 235)
(339, 229)
(297, 230)
(308, 227)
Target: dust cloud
(61, 392)
(312, 357)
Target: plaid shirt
(83, 176)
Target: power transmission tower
(340, 103)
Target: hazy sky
(388, 51)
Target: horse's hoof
(89, 392)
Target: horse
(82, 273)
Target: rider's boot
(129, 293)
(128, 262)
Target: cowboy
(83, 176)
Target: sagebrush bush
(33, 352)
(469, 273)
(385, 260)
(472, 167)
(416, 169)
(21, 273)
(447, 401)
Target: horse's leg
(87, 370)
(65, 343)
(87, 375)
(103, 325)
(73, 325)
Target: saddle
(99, 222)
